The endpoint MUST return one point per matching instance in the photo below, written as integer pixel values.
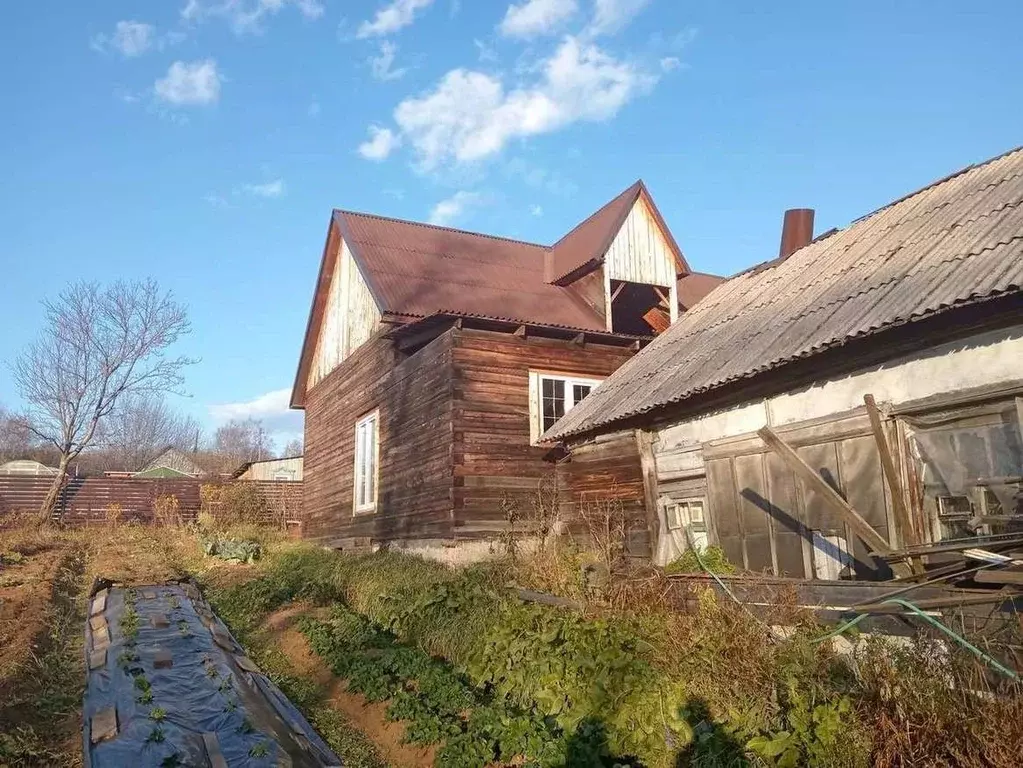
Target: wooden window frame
(536, 378)
(368, 508)
(681, 510)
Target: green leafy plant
(158, 714)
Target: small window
(689, 514)
(556, 396)
(366, 459)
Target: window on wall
(367, 434)
(554, 395)
(689, 514)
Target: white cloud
(190, 83)
(535, 210)
(269, 189)
(380, 144)
(271, 408)
(391, 18)
(382, 66)
(246, 15)
(536, 17)
(669, 63)
(470, 115)
(446, 211)
(611, 16)
(130, 39)
(486, 52)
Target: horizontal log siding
(494, 462)
(415, 475)
(607, 468)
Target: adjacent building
(918, 304)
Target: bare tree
(239, 441)
(292, 449)
(99, 345)
(141, 427)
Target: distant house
(434, 359)
(287, 469)
(172, 463)
(919, 304)
(27, 467)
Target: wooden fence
(92, 500)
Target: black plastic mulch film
(169, 686)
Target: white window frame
(679, 515)
(536, 378)
(368, 424)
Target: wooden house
(918, 305)
(434, 359)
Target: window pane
(674, 517)
(553, 401)
(371, 460)
(579, 391)
(696, 512)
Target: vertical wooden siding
(640, 253)
(415, 481)
(350, 317)
(764, 518)
(493, 459)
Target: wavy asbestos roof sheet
(951, 244)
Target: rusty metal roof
(419, 269)
(954, 243)
(693, 287)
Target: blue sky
(204, 142)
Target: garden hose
(934, 623)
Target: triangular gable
(330, 334)
(584, 248)
(641, 251)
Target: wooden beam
(813, 480)
(617, 290)
(1019, 415)
(648, 469)
(458, 324)
(520, 332)
(903, 522)
(660, 294)
(1015, 576)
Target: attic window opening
(639, 309)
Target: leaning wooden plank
(1006, 576)
(935, 579)
(996, 543)
(809, 476)
(902, 520)
(954, 601)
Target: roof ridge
(938, 182)
(427, 225)
(637, 185)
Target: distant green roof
(161, 472)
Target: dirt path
(368, 717)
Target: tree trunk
(46, 511)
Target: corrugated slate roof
(420, 269)
(951, 244)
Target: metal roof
(953, 243)
(419, 269)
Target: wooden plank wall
(494, 462)
(606, 468)
(763, 517)
(87, 501)
(415, 473)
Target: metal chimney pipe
(796, 231)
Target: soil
(25, 591)
(368, 717)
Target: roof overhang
(416, 333)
